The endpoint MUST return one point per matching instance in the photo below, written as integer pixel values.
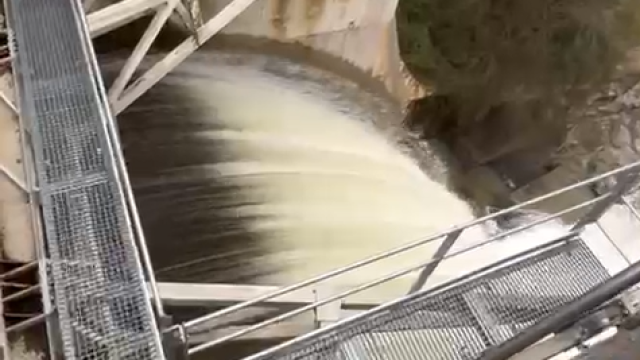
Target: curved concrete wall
(361, 32)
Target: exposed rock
(506, 91)
(601, 137)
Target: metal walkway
(94, 270)
(460, 320)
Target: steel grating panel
(458, 322)
(95, 275)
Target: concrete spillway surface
(252, 169)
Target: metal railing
(625, 176)
(570, 313)
(117, 156)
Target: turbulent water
(254, 169)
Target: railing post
(625, 182)
(442, 251)
(176, 344)
(329, 313)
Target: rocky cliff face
(521, 90)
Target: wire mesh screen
(459, 322)
(94, 272)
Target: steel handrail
(437, 289)
(624, 170)
(392, 276)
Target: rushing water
(254, 169)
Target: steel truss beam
(5, 171)
(121, 95)
(190, 14)
(15, 290)
(7, 99)
(12, 106)
(162, 15)
(207, 295)
(14, 179)
(120, 14)
(124, 12)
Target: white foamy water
(262, 171)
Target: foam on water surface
(252, 169)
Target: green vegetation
(479, 54)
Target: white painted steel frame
(119, 14)
(157, 23)
(208, 295)
(122, 13)
(8, 174)
(12, 106)
(14, 179)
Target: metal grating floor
(95, 276)
(458, 322)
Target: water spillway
(257, 170)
